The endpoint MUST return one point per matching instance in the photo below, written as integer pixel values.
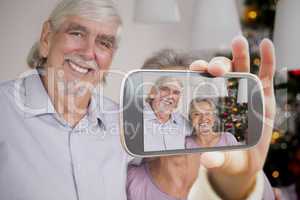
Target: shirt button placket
(71, 154)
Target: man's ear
(45, 39)
(152, 93)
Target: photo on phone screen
(193, 112)
(176, 112)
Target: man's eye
(106, 44)
(196, 114)
(163, 88)
(177, 92)
(78, 34)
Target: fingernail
(197, 63)
(217, 63)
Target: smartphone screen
(186, 112)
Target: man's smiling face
(81, 50)
(166, 97)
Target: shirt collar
(36, 98)
(37, 101)
(94, 111)
(149, 114)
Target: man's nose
(88, 50)
(173, 95)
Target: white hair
(212, 105)
(169, 58)
(96, 10)
(164, 80)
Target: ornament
(256, 61)
(283, 146)
(235, 109)
(251, 14)
(229, 125)
(238, 125)
(275, 174)
(275, 135)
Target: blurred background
(204, 28)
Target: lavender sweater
(140, 185)
(226, 139)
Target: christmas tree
(233, 115)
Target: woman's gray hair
(169, 58)
(96, 10)
(198, 100)
(212, 105)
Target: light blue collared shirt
(43, 158)
(164, 136)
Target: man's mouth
(167, 101)
(81, 68)
(78, 68)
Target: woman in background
(202, 116)
(167, 177)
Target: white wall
(21, 23)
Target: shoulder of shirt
(229, 137)
(227, 134)
(189, 139)
(6, 84)
(7, 88)
(136, 176)
(136, 170)
(179, 117)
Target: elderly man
(60, 141)
(164, 128)
(55, 142)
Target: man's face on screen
(166, 97)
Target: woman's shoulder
(141, 186)
(229, 138)
(136, 172)
(136, 181)
(190, 142)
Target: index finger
(240, 54)
(267, 66)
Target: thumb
(212, 159)
(230, 162)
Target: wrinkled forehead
(174, 85)
(81, 23)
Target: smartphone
(175, 112)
